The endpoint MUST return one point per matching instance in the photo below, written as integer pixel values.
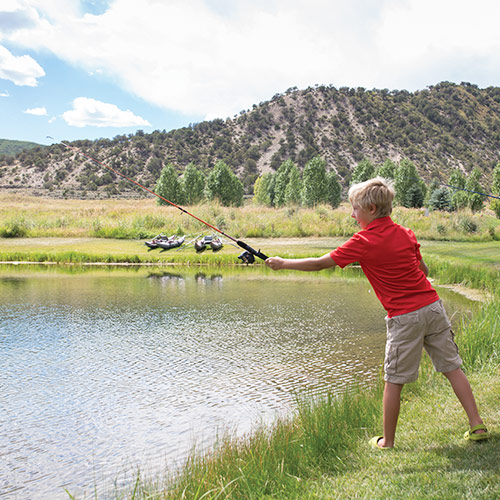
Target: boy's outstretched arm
(308, 264)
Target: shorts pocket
(406, 319)
(391, 359)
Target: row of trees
(315, 185)
(221, 184)
(288, 187)
(411, 191)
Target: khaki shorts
(428, 328)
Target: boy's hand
(275, 263)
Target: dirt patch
(470, 293)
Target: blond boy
(389, 255)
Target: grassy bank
(321, 451)
(139, 219)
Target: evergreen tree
(294, 188)
(194, 184)
(224, 186)
(458, 196)
(440, 199)
(363, 171)
(410, 188)
(387, 170)
(314, 187)
(169, 186)
(474, 200)
(334, 190)
(495, 189)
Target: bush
(467, 225)
(14, 229)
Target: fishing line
(248, 259)
(469, 191)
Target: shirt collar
(379, 222)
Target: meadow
(25, 216)
(113, 231)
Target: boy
(390, 258)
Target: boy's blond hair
(376, 191)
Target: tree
(410, 188)
(458, 196)
(363, 171)
(168, 186)
(387, 170)
(334, 190)
(440, 199)
(294, 188)
(154, 165)
(261, 194)
(314, 188)
(472, 184)
(282, 179)
(194, 184)
(224, 186)
(495, 189)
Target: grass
(24, 216)
(321, 452)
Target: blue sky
(85, 69)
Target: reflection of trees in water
(200, 278)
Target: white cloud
(197, 57)
(36, 111)
(22, 71)
(90, 112)
(4, 94)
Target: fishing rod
(247, 256)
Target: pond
(106, 371)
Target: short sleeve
(351, 251)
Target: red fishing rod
(247, 256)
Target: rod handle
(248, 248)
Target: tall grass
(277, 461)
(138, 219)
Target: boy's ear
(373, 209)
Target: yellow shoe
(374, 443)
(472, 435)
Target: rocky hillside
(439, 128)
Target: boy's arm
(423, 267)
(308, 264)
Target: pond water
(106, 371)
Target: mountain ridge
(442, 127)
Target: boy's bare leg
(392, 401)
(462, 388)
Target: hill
(11, 148)
(439, 128)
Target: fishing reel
(247, 257)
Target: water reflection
(103, 371)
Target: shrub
(14, 229)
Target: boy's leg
(392, 401)
(462, 388)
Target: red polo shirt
(389, 255)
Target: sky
(89, 69)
